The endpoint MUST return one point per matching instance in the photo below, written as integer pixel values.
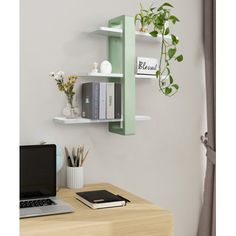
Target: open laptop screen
(37, 171)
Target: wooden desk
(138, 218)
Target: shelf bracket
(121, 55)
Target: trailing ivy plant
(161, 19)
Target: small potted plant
(144, 17)
(71, 110)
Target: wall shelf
(145, 76)
(115, 75)
(101, 75)
(117, 32)
(65, 121)
(121, 37)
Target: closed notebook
(100, 199)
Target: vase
(71, 110)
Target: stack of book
(101, 100)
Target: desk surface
(137, 218)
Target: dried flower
(60, 73)
(66, 87)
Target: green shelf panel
(121, 55)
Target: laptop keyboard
(36, 203)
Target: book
(90, 100)
(117, 101)
(110, 101)
(102, 100)
(100, 199)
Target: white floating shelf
(101, 75)
(145, 76)
(116, 32)
(142, 118)
(115, 75)
(63, 120)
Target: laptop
(38, 182)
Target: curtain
(207, 226)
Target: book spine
(86, 100)
(95, 101)
(117, 101)
(102, 101)
(110, 101)
(83, 113)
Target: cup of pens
(75, 167)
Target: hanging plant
(161, 19)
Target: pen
(84, 157)
(68, 157)
(72, 163)
(77, 157)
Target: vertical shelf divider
(121, 52)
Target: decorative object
(75, 169)
(146, 66)
(144, 18)
(159, 19)
(71, 110)
(95, 67)
(106, 67)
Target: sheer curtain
(207, 219)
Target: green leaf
(171, 80)
(166, 4)
(157, 73)
(179, 58)
(176, 86)
(173, 19)
(136, 18)
(153, 8)
(154, 33)
(168, 91)
(171, 52)
(167, 31)
(174, 39)
(141, 5)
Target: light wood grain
(139, 217)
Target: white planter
(75, 177)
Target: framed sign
(146, 66)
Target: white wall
(163, 162)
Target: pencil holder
(75, 177)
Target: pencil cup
(75, 177)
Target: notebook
(100, 199)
